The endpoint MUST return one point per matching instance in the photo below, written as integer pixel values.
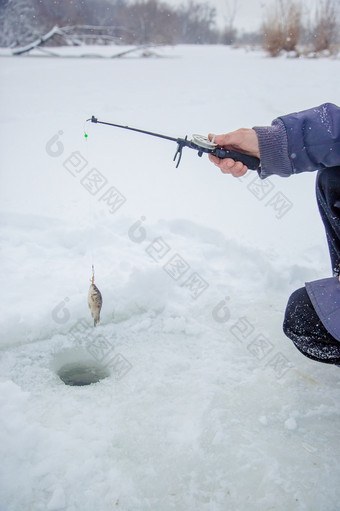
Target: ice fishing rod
(199, 143)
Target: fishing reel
(202, 145)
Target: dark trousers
(301, 323)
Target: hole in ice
(82, 374)
(76, 368)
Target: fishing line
(90, 201)
(199, 143)
(95, 300)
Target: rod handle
(250, 161)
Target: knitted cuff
(273, 146)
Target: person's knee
(292, 317)
(303, 326)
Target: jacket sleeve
(300, 142)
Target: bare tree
(197, 23)
(229, 33)
(325, 29)
(17, 22)
(23, 22)
(282, 27)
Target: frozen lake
(204, 403)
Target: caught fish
(95, 301)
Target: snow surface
(208, 406)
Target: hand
(244, 141)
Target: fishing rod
(199, 143)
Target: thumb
(221, 140)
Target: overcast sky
(250, 13)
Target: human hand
(243, 140)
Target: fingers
(229, 166)
(243, 140)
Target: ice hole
(76, 367)
(80, 374)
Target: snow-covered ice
(207, 405)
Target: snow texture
(207, 405)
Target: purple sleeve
(300, 142)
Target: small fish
(95, 302)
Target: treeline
(138, 22)
(286, 27)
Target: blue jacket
(300, 142)
(303, 142)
